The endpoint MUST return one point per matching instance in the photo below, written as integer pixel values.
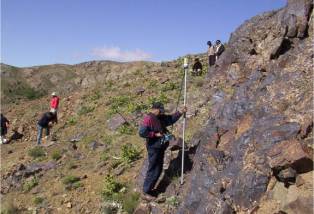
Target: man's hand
(158, 134)
(184, 110)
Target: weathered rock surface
(256, 127)
(116, 121)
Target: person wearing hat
(219, 49)
(154, 130)
(211, 55)
(54, 104)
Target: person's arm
(171, 119)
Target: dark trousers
(155, 165)
(211, 60)
(40, 133)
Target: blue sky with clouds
(37, 32)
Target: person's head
(158, 108)
(53, 94)
(197, 60)
(218, 42)
(209, 43)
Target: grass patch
(169, 86)
(172, 201)
(38, 200)
(95, 96)
(71, 182)
(107, 139)
(161, 98)
(118, 192)
(130, 202)
(72, 121)
(28, 185)
(130, 153)
(118, 103)
(104, 156)
(9, 208)
(136, 107)
(56, 155)
(85, 110)
(36, 152)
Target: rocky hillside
(249, 132)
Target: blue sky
(37, 32)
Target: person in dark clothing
(43, 123)
(219, 49)
(4, 128)
(197, 67)
(154, 130)
(211, 55)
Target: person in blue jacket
(154, 130)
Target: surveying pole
(185, 66)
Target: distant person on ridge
(154, 130)
(4, 129)
(219, 49)
(43, 123)
(54, 105)
(211, 55)
(197, 67)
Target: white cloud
(115, 53)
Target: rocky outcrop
(254, 131)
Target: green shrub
(32, 94)
(133, 107)
(109, 85)
(72, 121)
(71, 182)
(172, 201)
(28, 185)
(107, 139)
(85, 110)
(111, 187)
(56, 155)
(152, 84)
(126, 129)
(95, 96)
(36, 152)
(117, 103)
(169, 86)
(38, 200)
(130, 153)
(161, 98)
(104, 156)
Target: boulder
(115, 122)
(290, 154)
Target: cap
(158, 105)
(53, 94)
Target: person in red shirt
(54, 104)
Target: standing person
(5, 123)
(43, 123)
(219, 49)
(211, 55)
(54, 104)
(197, 67)
(154, 130)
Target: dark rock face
(14, 178)
(257, 130)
